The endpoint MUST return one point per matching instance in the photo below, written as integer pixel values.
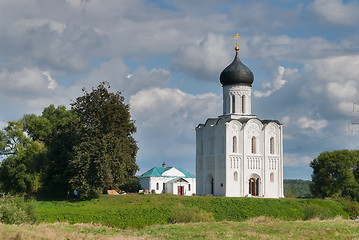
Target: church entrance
(253, 186)
(180, 190)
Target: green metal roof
(176, 179)
(158, 171)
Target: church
(238, 154)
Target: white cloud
(336, 12)
(312, 124)
(277, 83)
(52, 82)
(116, 72)
(335, 69)
(165, 119)
(28, 81)
(204, 59)
(294, 160)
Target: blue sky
(166, 57)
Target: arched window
(235, 176)
(157, 186)
(233, 104)
(243, 103)
(271, 176)
(253, 145)
(234, 144)
(271, 145)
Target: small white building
(168, 180)
(238, 154)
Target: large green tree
(19, 171)
(56, 128)
(335, 174)
(105, 157)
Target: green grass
(139, 211)
(257, 228)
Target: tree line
(88, 147)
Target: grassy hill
(137, 211)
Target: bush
(132, 185)
(92, 194)
(351, 207)
(181, 214)
(15, 210)
(315, 211)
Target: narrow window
(253, 145)
(157, 186)
(222, 144)
(243, 103)
(201, 150)
(235, 176)
(189, 187)
(234, 144)
(164, 187)
(271, 177)
(233, 104)
(271, 145)
(212, 145)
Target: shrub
(351, 207)
(132, 185)
(182, 214)
(314, 211)
(16, 210)
(92, 194)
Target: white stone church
(237, 154)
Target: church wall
(199, 162)
(220, 160)
(206, 135)
(274, 161)
(223, 162)
(253, 157)
(234, 158)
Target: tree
(105, 157)
(18, 171)
(56, 128)
(335, 174)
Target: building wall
(158, 184)
(232, 167)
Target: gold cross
(237, 36)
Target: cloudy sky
(166, 56)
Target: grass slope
(257, 228)
(138, 211)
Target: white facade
(168, 180)
(237, 154)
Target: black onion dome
(236, 73)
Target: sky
(165, 57)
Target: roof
(243, 120)
(161, 172)
(179, 179)
(236, 73)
